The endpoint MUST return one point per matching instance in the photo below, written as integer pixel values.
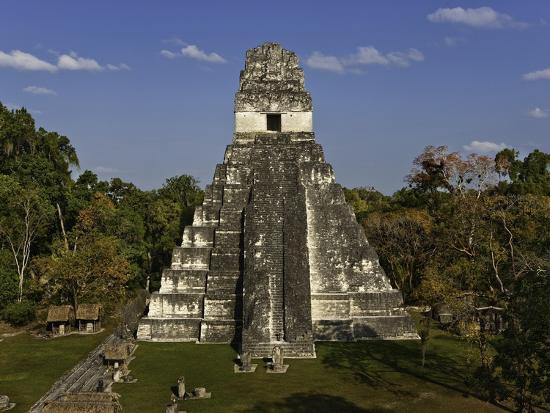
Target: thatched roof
(88, 312)
(119, 351)
(57, 313)
(86, 402)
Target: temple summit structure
(275, 256)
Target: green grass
(376, 377)
(29, 365)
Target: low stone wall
(169, 329)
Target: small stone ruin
(181, 388)
(182, 394)
(277, 362)
(245, 365)
(5, 403)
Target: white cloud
(74, 62)
(19, 60)
(365, 55)
(322, 62)
(404, 59)
(537, 75)
(37, 90)
(482, 17)
(538, 113)
(484, 146)
(193, 52)
(116, 68)
(168, 54)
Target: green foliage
(8, 287)
(365, 200)
(524, 352)
(530, 176)
(19, 313)
(94, 271)
(183, 189)
(8, 279)
(404, 244)
(24, 216)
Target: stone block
(384, 327)
(333, 330)
(198, 237)
(176, 305)
(219, 331)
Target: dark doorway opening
(274, 122)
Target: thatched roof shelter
(88, 312)
(117, 352)
(86, 402)
(60, 314)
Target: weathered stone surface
(272, 81)
(5, 402)
(275, 256)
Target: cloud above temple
(19, 60)
(538, 113)
(38, 90)
(481, 18)
(543, 74)
(192, 51)
(22, 61)
(484, 146)
(318, 60)
(364, 56)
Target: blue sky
(387, 78)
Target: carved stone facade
(275, 256)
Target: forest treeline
(69, 238)
(472, 232)
(467, 231)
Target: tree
(523, 355)
(437, 169)
(9, 289)
(94, 270)
(530, 176)
(17, 133)
(366, 200)
(24, 213)
(183, 189)
(404, 244)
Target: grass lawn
(375, 377)
(29, 365)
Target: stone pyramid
(275, 255)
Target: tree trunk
(65, 240)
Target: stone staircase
(275, 256)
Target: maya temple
(275, 256)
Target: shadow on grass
(373, 363)
(307, 403)
(367, 360)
